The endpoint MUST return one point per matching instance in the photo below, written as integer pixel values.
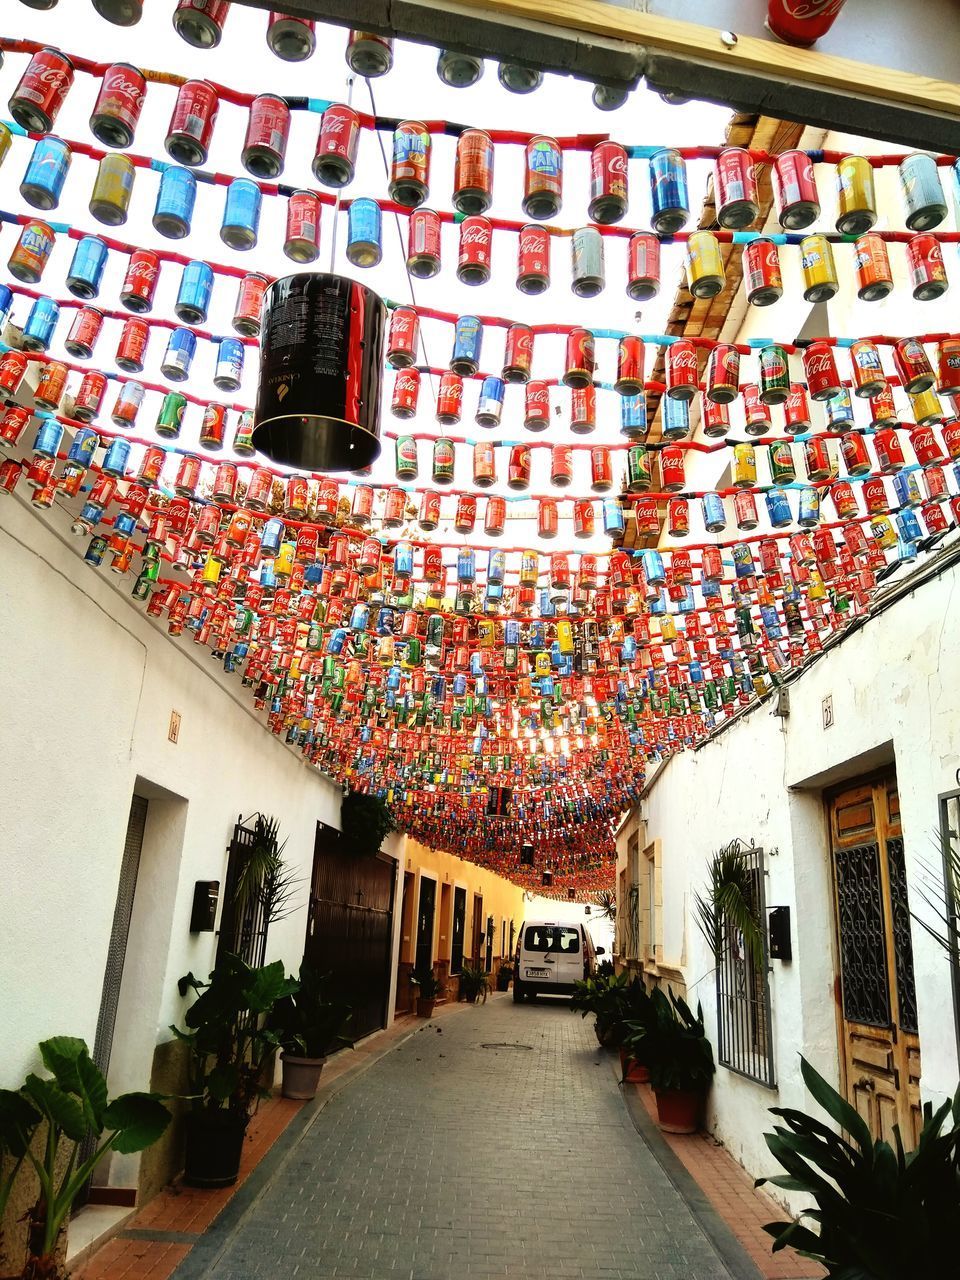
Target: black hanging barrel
(321, 352)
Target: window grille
(745, 1038)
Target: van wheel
(518, 992)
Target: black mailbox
(780, 934)
(206, 894)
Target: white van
(551, 957)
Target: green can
(638, 469)
(141, 588)
(782, 467)
(443, 460)
(6, 138)
(406, 455)
(170, 418)
(774, 374)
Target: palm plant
(606, 901)
(940, 890)
(728, 909)
(473, 983)
(266, 880)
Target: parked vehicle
(551, 958)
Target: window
(744, 1041)
(647, 884)
(552, 938)
(944, 895)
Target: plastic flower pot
(633, 1072)
(214, 1147)
(301, 1076)
(678, 1110)
(425, 1006)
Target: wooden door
(880, 1048)
(459, 924)
(478, 934)
(424, 954)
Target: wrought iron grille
(949, 836)
(745, 1038)
(243, 927)
(863, 950)
(902, 937)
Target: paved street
(449, 1159)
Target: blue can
(778, 508)
(675, 418)
(669, 198)
(178, 357)
(714, 516)
(6, 303)
(689, 602)
(116, 458)
(907, 489)
(771, 621)
(657, 605)
(241, 214)
(653, 570)
(466, 565)
(229, 369)
(41, 322)
(124, 524)
(359, 616)
(908, 526)
(633, 414)
(271, 537)
(809, 513)
(46, 173)
(176, 198)
(460, 685)
(48, 438)
(496, 567)
(268, 579)
(490, 404)
(84, 446)
(364, 233)
(614, 524)
(922, 191)
(403, 560)
(743, 566)
(97, 547)
(467, 341)
(840, 411)
(511, 631)
(86, 269)
(196, 289)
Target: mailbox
(780, 934)
(206, 894)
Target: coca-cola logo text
(475, 234)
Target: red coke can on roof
(41, 90)
(681, 370)
(191, 125)
(643, 266)
(794, 190)
(403, 337)
(761, 272)
(801, 22)
(608, 183)
(533, 259)
(140, 281)
(336, 155)
(476, 243)
(820, 367)
(268, 129)
(518, 353)
(119, 103)
(423, 244)
(928, 275)
(735, 189)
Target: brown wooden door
(879, 1044)
(479, 936)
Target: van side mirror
(601, 951)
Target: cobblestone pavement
(461, 1155)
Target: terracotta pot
(678, 1110)
(301, 1076)
(632, 1071)
(425, 1006)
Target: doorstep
(91, 1227)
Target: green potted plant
(675, 1049)
(230, 1044)
(73, 1108)
(632, 1033)
(607, 998)
(882, 1213)
(365, 823)
(429, 987)
(504, 977)
(473, 984)
(309, 1025)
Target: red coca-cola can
(188, 476)
(820, 367)
(548, 522)
(581, 358)
(934, 518)
(936, 483)
(735, 189)
(584, 519)
(816, 458)
(518, 469)
(84, 332)
(10, 471)
(51, 385)
(756, 414)
(394, 508)
(868, 376)
(302, 240)
(794, 190)
(119, 103)
(13, 365)
(888, 450)
(406, 392)
(140, 281)
(466, 513)
(151, 464)
(423, 244)
(883, 408)
(335, 159)
(925, 446)
(518, 353)
(711, 563)
(951, 436)
(476, 242)
(630, 360)
(536, 407)
(601, 470)
(643, 266)
(12, 424)
(715, 417)
(672, 472)
(583, 410)
(844, 500)
(561, 465)
(403, 338)
(89, 397)
(40, 471)
(132, 346)
(191, 126)
(428, 516)
(681, 370)
(872, 264)
(495, 514)
(41, 90)
(723, 374)
(246, 313)
(361, 507)
(797, 410)
(801, 22)
(449, 398)
(533, 259)
(473, 172)
(853, 450)
(912, 365)
(259, 489)
(761, 272)
(678, 526)
(928, 275)
(268, 131)
(608, 183)
(745, 510)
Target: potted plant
(473, 983)
(230, 1044)
(365, 822)
(504, 976)
(74, 1110)
(633, 1034)
(678, 1055)
(429, 987)
(309, 1025)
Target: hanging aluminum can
(46, 173)
(32, 252)
(467, 343)
(536, 411)
(735, 189)
(176, 198)
(518, 471)
(643, 266)
(951, 437)
(405, 455)
(925, 446)
(241, 214)
(913, 365)
(410, 169)
(484, 464)
(473, 172)
(774, 374)
(368, 54)
(745, 511)
(361, 507)
(112, 190)
(934, 518)
(364, 233)
(194, 293)
(583, 410)
(561, 465)
(48, 438)
(542, 178)
(868, 376)
(601, 470)
(41, 90)
(672, 471)
(444, 457)
(214, 426)
(928, 275)
(820, 367)
(882, 408)
(840, 411)
(41, 323)
(668, 189)
(782, 466)
(51, 384)
(228, 371)
(429, 515)
(580, 359)
(259, 489)
(761, 272)
(714, 520)
(246, 312)
(190, 131)
(335, 160)
(188, 476)
(140, 281)
(128, 402)
(476, 246)
(406, 392)
(178, 357)
(778, 508)
(853, 450)
(495, 515)
(797, 410)
(584, 519)
(926, 205)
(935, 483)
(293, 39)
(723, 374)
(243, 435)
(682, 375)
(89, 397)
(490, 404)
(466, 515)
(756, 414)
(86, 269)
(302, 241)
(13, 422)
(816, 458)
(394, 508)
(404, 337)
(268, 131)
(170, 417)
(678, 526)
(449, 399)
(744, 466)
(872, 264)
(856, 196)
(119, 103)
(608, 183)
(714, 417)
(794, 190)
(629, 366)
(533, 259)
(819, 269)
(518, 353)
(587, 262)
(704, 263)
(132, 346)
(116, 458)
(423, 244)
(151, 464)
(200, 22)
(948, 367)
(547, 521)
(85, 443)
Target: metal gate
(350, 927)
(243, 927)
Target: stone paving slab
(449, 1160)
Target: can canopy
(318, 402)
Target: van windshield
(551, 937)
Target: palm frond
(606, 901)
(265, 878)
(940, 890)
(729, 905)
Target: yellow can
(6, 139)
(926, 407)
(668, 628)
(705, 277)
(486, 634)
(211, 570)
(283, 564)
(883, 532)
(541, 664)
(856, 196)
(744, 466)
(529, 569)
(819, 269)
(565, 636)
(815, 588)
(386, 651)
(112, 190)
